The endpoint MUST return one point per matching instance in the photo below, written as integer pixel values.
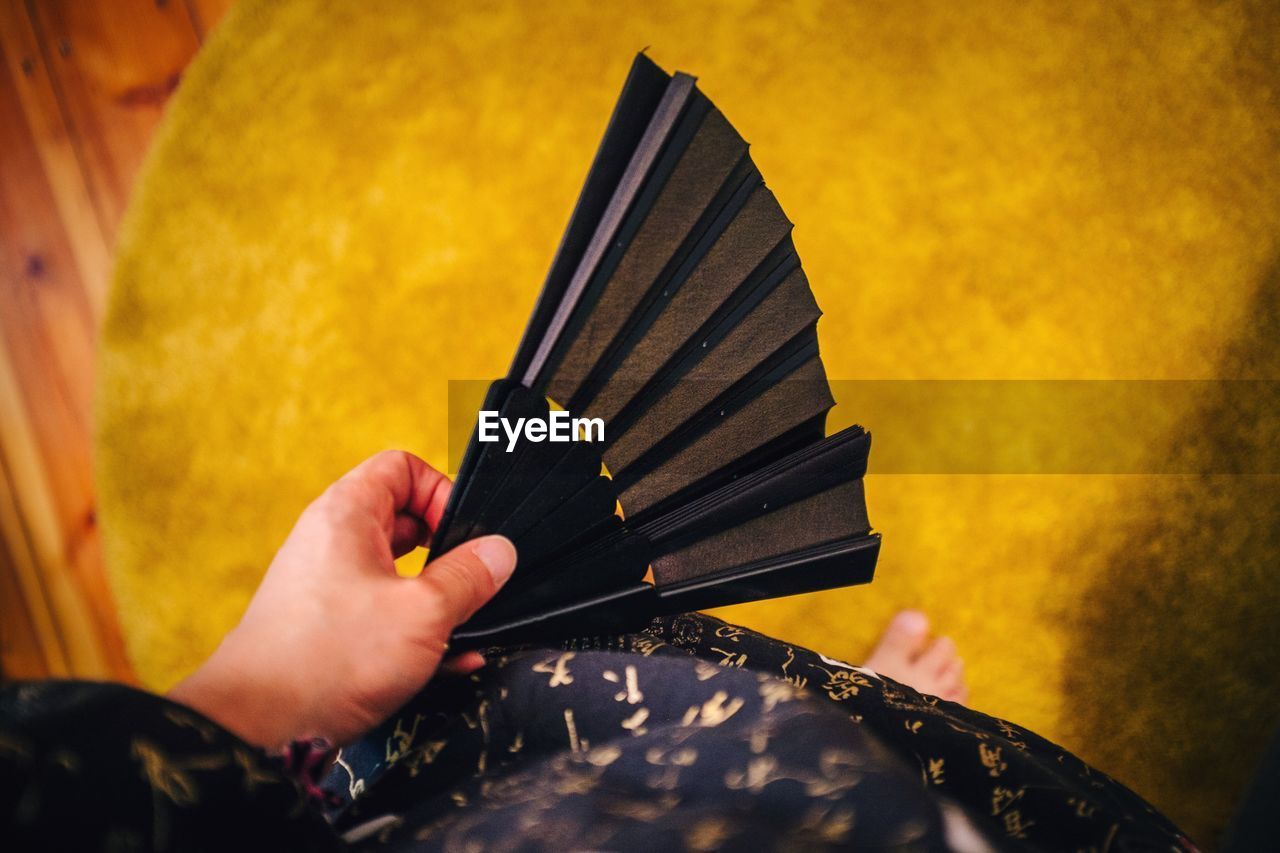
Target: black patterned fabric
(87, 766)
(694, 735)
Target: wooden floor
(83, 85)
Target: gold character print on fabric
(991, 759)
(355, 787)
(575, 774)
(730, 632)
(760, 771)
(184, 720)
(480, 720)
(646, 645)
(839, 770)
(714, 711)
(631, 692)
(967, 730)
(646, 810)
(635, 723)
(705, 671)
(937, 771)
(401, 748)
(482, 715)
(1012, 735)
(730, 658)
(794, 679)
(163, 774)
(254, 774)
(1084, 808)
(558, 670)
(708, 834)
(1015, 825)
(511, 790)
(668, 761)
(424, 755)
(603, 756)
(171, 777)
(400, 741)
(576, 745)
(775, 692)
(828, 823)
(842, 684)
(1002, 798)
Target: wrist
(236, 693)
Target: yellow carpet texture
(351, 204)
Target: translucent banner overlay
(1173, 427)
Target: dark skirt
(697, 734)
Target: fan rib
(560, 483)
(642, 294)
(696, 171)
(785, 314)
(799, 352)
(844, 562)
(754, 232)
(811, 469)
(645, 85)
(679, 90)
(800, 398)
(837, 513)
(735, 335)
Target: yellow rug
(352, 203)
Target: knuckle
(389, 458)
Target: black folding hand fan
(676, 312)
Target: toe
(951, 681)
(937, 656)
(907, 633)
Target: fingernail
(498, 555)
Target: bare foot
(907, 653)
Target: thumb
(468, 576)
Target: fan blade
(575, 522)
(707, 187)
(641, 94)
(685, 304)
(801, 399)
(774, 306)
(846, 562)
(809, 471)
(837, 513)
(680, 91)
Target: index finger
(400, 483)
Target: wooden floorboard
(82, 89)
